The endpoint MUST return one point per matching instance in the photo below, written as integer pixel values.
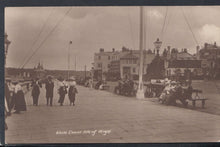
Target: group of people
(14, 98)
(125, 87)
(174, 91)
(63, 89)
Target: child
(72, 93)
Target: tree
(156, 69)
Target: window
(135, 61)
(109, 57)
(99, 65)
(99, 57)
(134, 70)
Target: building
(210, 57)
(26, 73)
(120, 64)
(182, 64)
(105, 62)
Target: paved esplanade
(100, 116)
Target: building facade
(182, 64)
(210, 57)
(124, 63)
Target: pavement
(102, 117)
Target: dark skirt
(19, 101)
(72, 97)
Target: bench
(198, 98)
(105, 87)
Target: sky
(47, 31)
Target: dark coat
(35, 90)
(72, 92)
(20, 104)
(62, 91)
(49, 88)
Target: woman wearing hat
(62, 91)
(18, 98)
(72, 92)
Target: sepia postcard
(112, 74)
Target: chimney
(113, 49)
(101, 50)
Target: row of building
(171, 62)
(41, 73)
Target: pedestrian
(62, 90)
(90, 83)
(49, 90)
(8, 97)
(72, 93)
(35, 91)
(18, 98)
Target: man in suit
(49, 90)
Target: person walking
(8, 97)
(19, 103)
(35, 91)
(49, 90)
(62, 90)
(72, 93)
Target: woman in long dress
(19, 99)
(62, 90)
(72, 92)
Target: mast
(140, 91)
(69, 59)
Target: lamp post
(140, 91)
(157, 45)
(6, 43)
(69, 59)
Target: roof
(129, 56)
(185, 56)
(185, 64)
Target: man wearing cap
(36, 91)
(49, 90)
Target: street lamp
(69, 60)
(6, 43)
(157, 45)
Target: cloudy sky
(47, 30)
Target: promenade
(102, 117)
